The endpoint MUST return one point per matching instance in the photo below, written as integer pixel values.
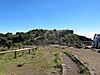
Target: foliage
(57, 60)
(39, 37)
(71, 37)
(9, 43)
(83, 38)
(18, 45)
(20, 64)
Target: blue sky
(83, 16)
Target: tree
(18, 45)
(9, 36)
(19, 37)
(9, 43)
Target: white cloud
(91, 34)
(88, 34)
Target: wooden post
(29, 51)
(15, 54)
(0, 55)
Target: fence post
(29, 51)
(15, 54)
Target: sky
(82, 16)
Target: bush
(57, 60)
(20, 64)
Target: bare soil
(89, 57)
(70, 66)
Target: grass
(57, 60)
(39, 62)
(82, 68)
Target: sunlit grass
(42, 62)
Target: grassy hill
(39, 37)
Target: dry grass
(40, 62)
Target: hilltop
(40, 37)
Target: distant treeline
(39, 37)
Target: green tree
(9, 43)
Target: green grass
(57, 58)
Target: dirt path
(89, 57)
(70, 68)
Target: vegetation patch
(20, 64)
(82, 68)
(39, 62)
(57, 60)
(39, 37)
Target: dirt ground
(40, 62)
(70, 67)
(89, 57)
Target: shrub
(57, 60)
(20, 64)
